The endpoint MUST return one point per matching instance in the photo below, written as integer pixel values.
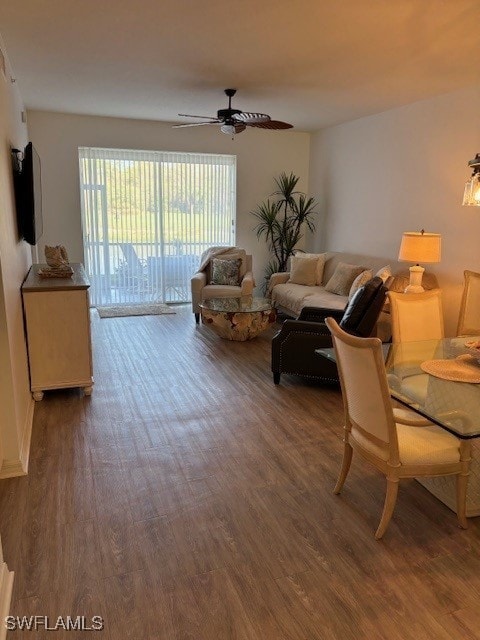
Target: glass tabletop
(244, 304)
(454, 406)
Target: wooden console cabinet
(57, 320)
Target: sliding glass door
(147, 216)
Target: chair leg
(462, 482)
(388, 507)
(197, 318)
(346, 462)
(276, 377)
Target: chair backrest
(362, 311)
(469, 318)
(366, 398)
(416, 316)
(225, 253)
(131, 256)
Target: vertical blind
(147, 216)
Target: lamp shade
(420, 247)
(471, 195)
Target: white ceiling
(309, 62)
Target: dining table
(439, 380)
(449, 397)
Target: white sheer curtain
(147, 216)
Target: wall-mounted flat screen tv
(28, 193)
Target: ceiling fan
(232, 121)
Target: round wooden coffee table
(238, 318)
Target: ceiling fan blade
(194, 124)
(249, 118)
(271, 124)
(186, 115)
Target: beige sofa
(290, 298)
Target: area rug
(121, 311)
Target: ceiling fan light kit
(234, 121)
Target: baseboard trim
(6, 588)
(19, 466)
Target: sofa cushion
(291, 296)
(226, 272)
(343, 277)
(384, 273)
(220, 291)
(324, 299)
(303, 270)
(321, 257)
(232, 254)
(359, 281)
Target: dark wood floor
(190, 498)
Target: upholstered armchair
(201, 282)
(293, 347)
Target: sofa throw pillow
(226, 272)
(342, 278)
(321, 257)
(359, 281)
(238, 253)
(303, 270)
(384, 273)
(229, 255)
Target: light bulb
(476, 195)
(229, 129)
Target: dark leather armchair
(293, 347)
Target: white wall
(261, 155)
(16, 405)
(403, 170)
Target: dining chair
(394, 447)
(469, 317)
(416, 316)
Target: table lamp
(419, 247)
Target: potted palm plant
(282, 221)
